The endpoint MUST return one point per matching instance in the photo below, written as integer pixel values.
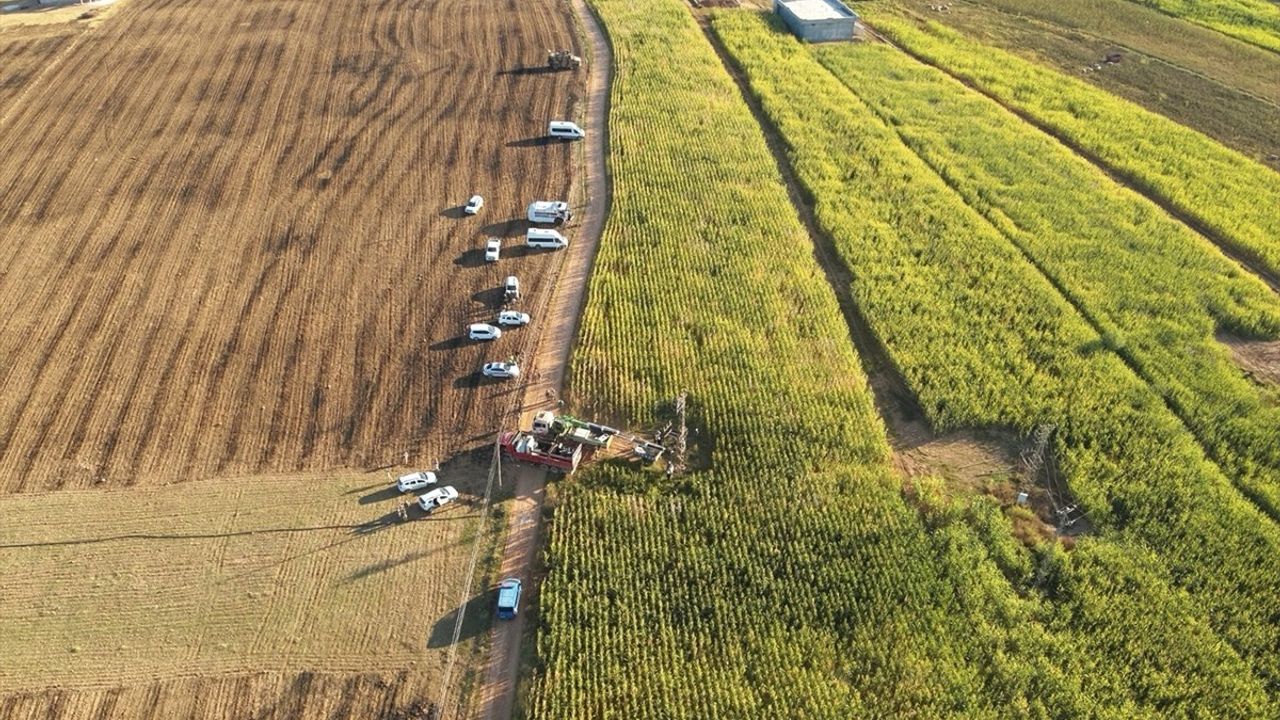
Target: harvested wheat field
(241, 252)
(235, 275)
(30, 53)
(129, 586)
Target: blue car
(508, 598)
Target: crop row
(788, 578)
(1155, 289)
(985, 339)
(785, 574)
(1233, 197)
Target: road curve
(494, 698)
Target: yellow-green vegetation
(1119, 24)
(1200, 78)
(1235, 198)
(1254, 21)
(734, 590)
(1155, 289)
(984, 339)
(106, 587)
(785, 576)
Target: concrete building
(817, 20)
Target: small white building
(817, 20)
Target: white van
(565, 130)
(549, 211)
(548, 239)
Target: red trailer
(555, 456)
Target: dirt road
(495, 698)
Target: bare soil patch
(1260, 359)
(402, 695)
(333, 572)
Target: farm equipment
(570, 429)
(556, 456)
(562, 60)
(648, 453)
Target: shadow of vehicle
(380, 495)
(396, 517)
(455, 213)
(538, 141)
(506, 228)
(529, 70)
(472, 258)
(467, 621)
(523, 250)
(452, 343)
(492, 297)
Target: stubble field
(241, 252)
(236, 272)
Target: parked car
(511, 288)
(565, 130)
(415, 481)
(500, 370)
(513, 318)
(483, 331)
(509, 598)
(492, 249)
(473, 205)
(437, 499)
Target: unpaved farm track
(495, 698)
(231, 234)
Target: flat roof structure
(817, 20)
(818, 10)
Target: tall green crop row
(785, 575)
(984, 339)
(1253, 21)
(1226, 192)
(1157, 290)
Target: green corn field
(789, 573)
